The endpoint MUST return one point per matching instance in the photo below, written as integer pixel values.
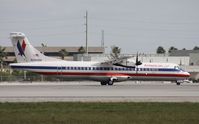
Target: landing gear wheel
(103, 83)
(110, 83)
(178, 83)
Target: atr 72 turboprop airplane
(107, 72)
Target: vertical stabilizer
(24, 51)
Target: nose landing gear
(179, 82)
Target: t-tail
(24, 51)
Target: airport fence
(44, 78)
(41, 78)
(23, 76)
(20, 76)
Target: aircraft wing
(117, 61)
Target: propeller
(137, 60)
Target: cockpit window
(177, 68)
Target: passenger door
(59, 70)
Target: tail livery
(24, 51)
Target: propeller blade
(137, 60)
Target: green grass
(99, 113)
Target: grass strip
(99, 113)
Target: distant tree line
(161, 50)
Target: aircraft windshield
(178, 68)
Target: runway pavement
(94, 92)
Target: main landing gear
(103, 83)
(107, 82)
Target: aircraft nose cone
(187, 74)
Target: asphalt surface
(94, 92)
